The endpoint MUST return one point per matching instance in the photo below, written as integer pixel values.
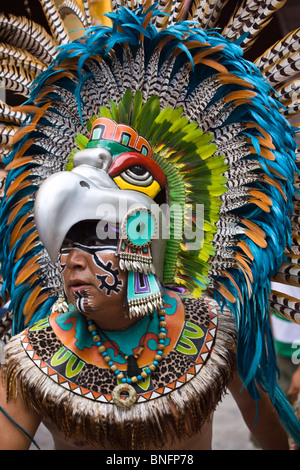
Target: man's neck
(113, 319)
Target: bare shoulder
(260, 417)
(12, 412)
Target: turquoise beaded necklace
(99, 337)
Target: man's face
(90, 270)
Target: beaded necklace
(98, 340)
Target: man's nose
(76, 259)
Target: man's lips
(78, 284)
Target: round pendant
(127, 401)
(139, 227)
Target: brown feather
(26, 228)
(276, 184)
(26, 245)
(38, 113)
(242, 260)
(244, 246)
(250, 125)
(31, 267)
(239, 95)
(15, 232)
(22, 149)
(225, 292)
(256, 238)
(260, 204)
(17, 162)
(253, 227)
(55, 77)
(230, 78)
(272, 170)
(17, 208)
(33, 302)
(261, 196)
(231, 278)
(17, 183)
(213, 64)
(201, 54)
(266, 153)
(29, 303)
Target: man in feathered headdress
(148, 204)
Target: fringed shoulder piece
(88, 417)
(217, 124)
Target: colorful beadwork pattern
(184, 357)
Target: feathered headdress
(217, 127)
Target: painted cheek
(108, 273)
(83, 301)
(61, 263)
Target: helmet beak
(87, 193)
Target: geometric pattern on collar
(190, 351)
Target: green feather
(114, 112)
(136, 108)
(81, 141)
(105, 112)
(188, 158)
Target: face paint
(91, 274)
(110, 280)
(83, 301)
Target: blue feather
(255, 355)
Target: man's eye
(137, 175)
(92, 241)
(67, 243)
(96, 241)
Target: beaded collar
(133, 375)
